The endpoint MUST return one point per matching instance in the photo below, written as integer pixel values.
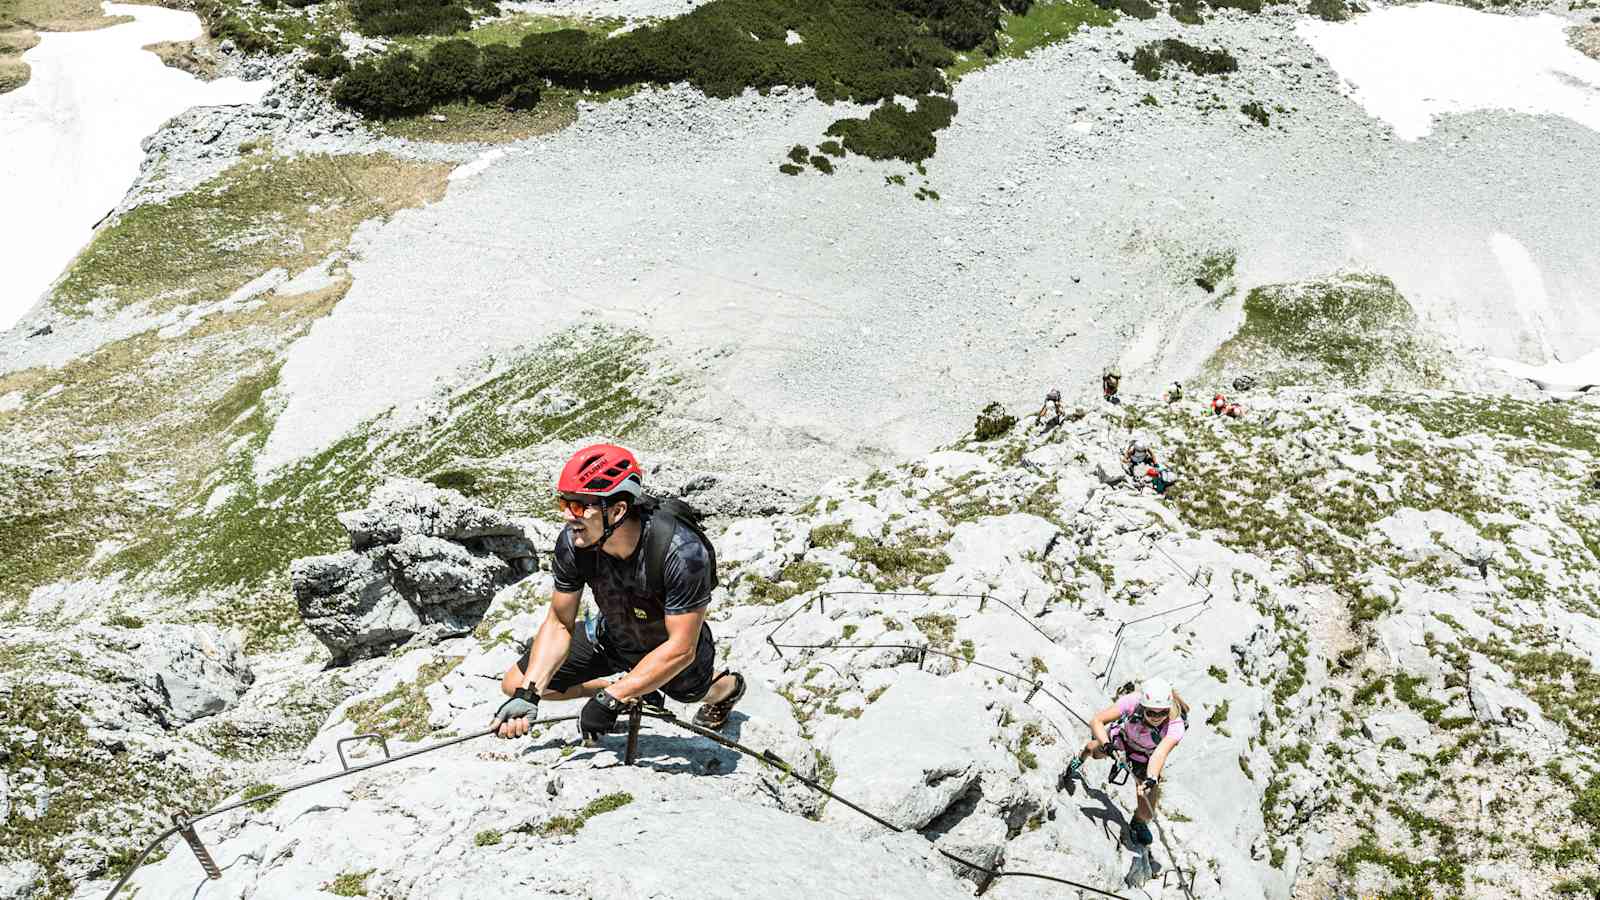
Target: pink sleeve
(1176, 729)
(1127, 703)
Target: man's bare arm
(664, 662)
(554, 639)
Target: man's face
(585, 519)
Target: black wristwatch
(609, 702)
(527, 692)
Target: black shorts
(587, 660)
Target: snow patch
(1408, 64)
(72, 135)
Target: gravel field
(1071, 223)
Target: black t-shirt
(632, 623)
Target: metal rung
(339, 746)
(185, 828)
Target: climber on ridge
(1221, 407)
(1110, 383)
(1057, 416)
(651, 570)
(1145, 725)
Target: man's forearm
(658, 667)
(550, 648)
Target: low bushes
(893, 132)
(403, 83)
(395, 18)
(866, 51)
(1149, 59)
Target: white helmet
(1140, 440)
(1156, 693)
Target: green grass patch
(402, 712)
(257, 790)
(266, 211)
(560, 826)
(1351, 331)
(349, 884)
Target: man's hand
(1148, 785)
(514, 715)
(599, 715)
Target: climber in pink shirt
(1144, 726)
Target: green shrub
(1329, 10)
(1148, 60)
(790, 169)
(1249, 6)
(327, 59)
(893, 132)
(822, 164)
(1187, 12)
(798, 154)
(396, 18)
(1256, 112)
(865, 51)
(1139, 9)
(993, 422)
(832, 148)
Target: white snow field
(72, 133)
(1408, 64)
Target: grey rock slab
(913, 752)
(202, 670)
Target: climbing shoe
(1069, 778)
(715, 715)
(1141, 833)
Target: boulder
(423, 561)
(20, 880)
(915, 751)
(201, 670)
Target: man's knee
(511, 681)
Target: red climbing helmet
(604, 471)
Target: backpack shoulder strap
(664, 520)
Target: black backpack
(665, 511)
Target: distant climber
(1137, 453)
(651, 571)
(1144, 726)
(1221, 407)
(1110, 383)
(1052, 407)
(1140, 462)
(1174, 393)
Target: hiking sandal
(715, 715)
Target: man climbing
(1137, 456)
(1057, 415)
(651, 571)
(1110, 383)
(1143, 725)
(1174, 393)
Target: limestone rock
(201, 670)
(423, 560)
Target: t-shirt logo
(640, 614)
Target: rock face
(200, 670)
(423, 561)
